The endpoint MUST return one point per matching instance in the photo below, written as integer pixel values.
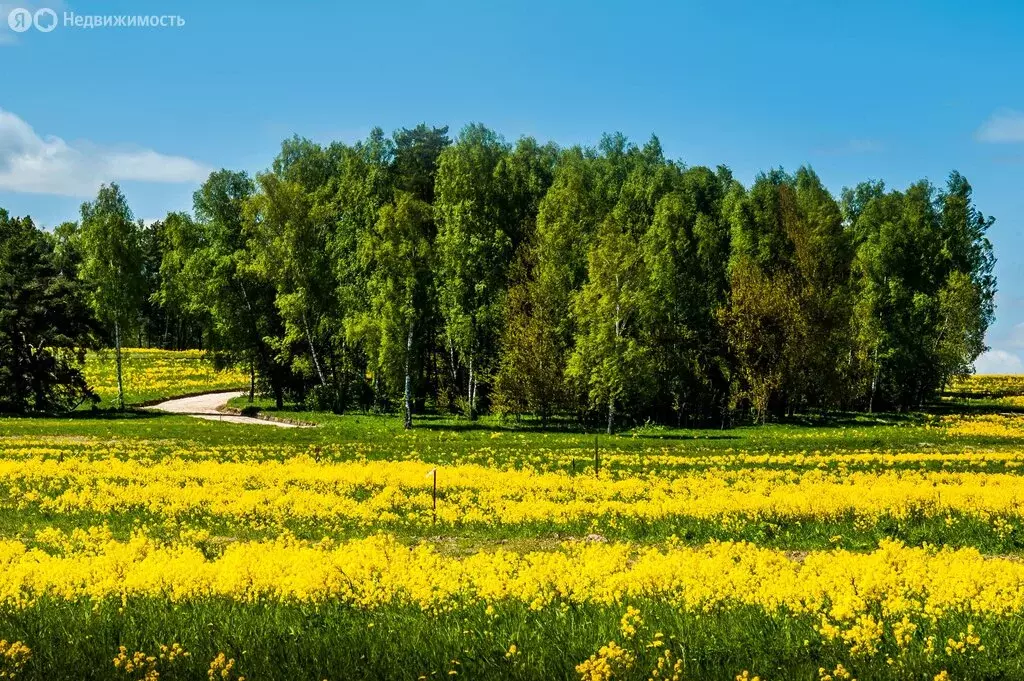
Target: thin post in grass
(597, 456)
(433, 472)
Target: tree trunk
(618, 335)
(312, 351)
(278, 395)
(408, 379)
(120, 380)
(874, 382)
(451, 363)
(472, 391)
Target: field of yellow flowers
(153, 547)
(150, 374)
(996, 389)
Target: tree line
(417, 272)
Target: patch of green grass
(912, 432)
(274, 641)
(955, 530)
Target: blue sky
(891, 91)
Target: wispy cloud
(1007, 353)
(1003, 126)
(33, 164)
(997, 361)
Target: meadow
(833, 547)
(151, 375)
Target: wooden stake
(433, 472)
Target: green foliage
(45, 323)
(208, 272)
(550, 269)
(521, 278)
(113, 265)
(789, 314)
(923, 287)
(532, 361)
(475, 245)
(611, 361)
(177, 237)
(112, 257)
(686, 254)
(416, 152)
(396, 256)
(765, 332)
(768, 301)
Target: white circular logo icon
(45, 20)
(20, 19)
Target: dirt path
(205, 407)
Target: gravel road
(205, 407)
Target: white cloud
(49, 165)
(1005, 125)
(999, 362)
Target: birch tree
(474, 250)
(610, 359)
(396, 255)
(110, 243)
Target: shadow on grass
(738, 429)
(850, 419)
(918, 417)
(446, 423)
(106, 414)
(973, 408)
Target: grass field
(146, 546)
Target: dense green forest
(420, 273)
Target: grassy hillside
(151, 374)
